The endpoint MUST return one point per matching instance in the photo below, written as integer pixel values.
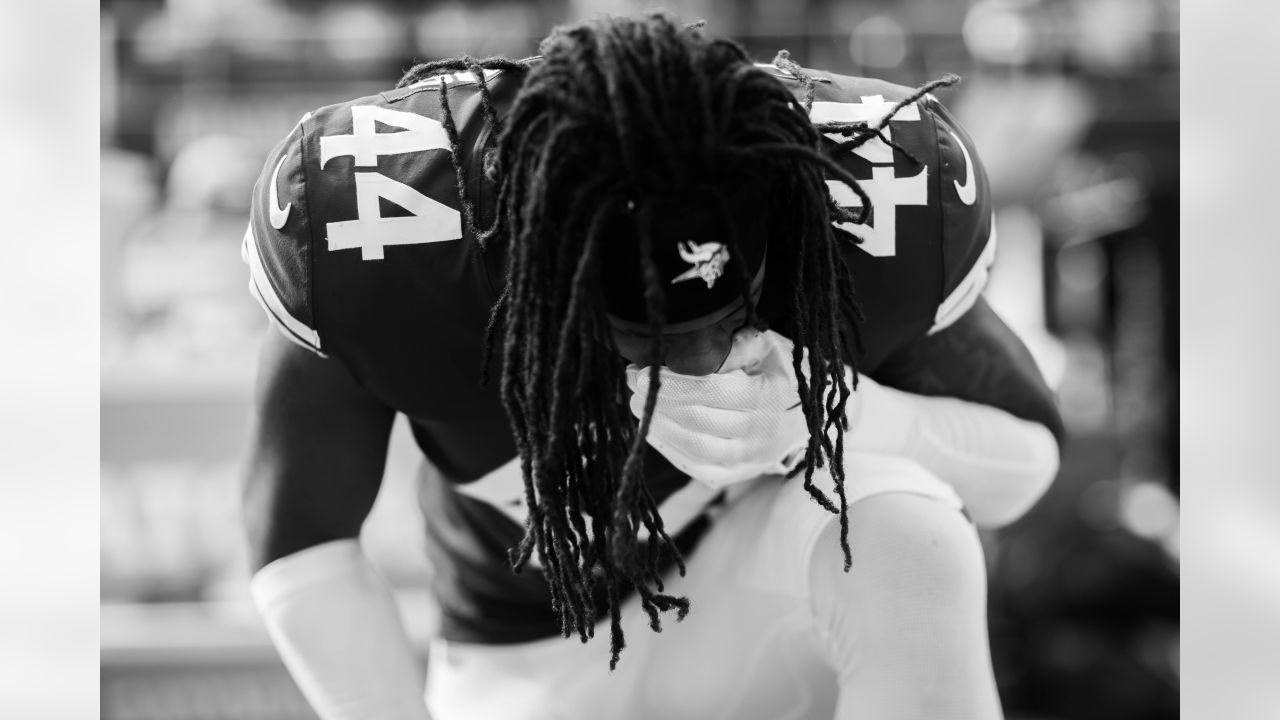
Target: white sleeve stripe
(265, 292)
(970, 288)
(275, 322)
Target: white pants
(749, 647)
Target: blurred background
(1073, 103)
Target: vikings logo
(708, 261)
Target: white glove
(745, 421)
(736, 425)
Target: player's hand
(735, 425)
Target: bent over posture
(743, 379)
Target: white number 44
(431, 221)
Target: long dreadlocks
(617, 114)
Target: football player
(693, 277)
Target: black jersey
(358, 250)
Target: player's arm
(969, 403)
(317, 456)
(318, 452)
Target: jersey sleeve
(361, 198)
(926, 249)
(277, 244)
(968, 227)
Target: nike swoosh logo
(968, 192)
(278, 214)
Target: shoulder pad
(939, 201)
(360, 180)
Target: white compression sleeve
(335, 623)
(1000, 465)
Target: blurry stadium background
(1074, 104)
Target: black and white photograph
(577, 359)
(591, 360)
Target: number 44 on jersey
(432, 221)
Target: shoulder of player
(318, 207)
(834, 87)
(939, 241)
(924, 255)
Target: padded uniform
(358, 250)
